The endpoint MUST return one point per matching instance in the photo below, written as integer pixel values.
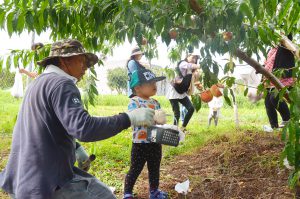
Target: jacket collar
(54, 69)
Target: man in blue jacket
(41, 162)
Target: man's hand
(141, 117)
(86, 164)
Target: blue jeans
(82, 186)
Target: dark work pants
(187, 104)
(272, 104)
(140, 154)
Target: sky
(117, 59)
(120, 53)
(23, 41)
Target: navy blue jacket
(42, 153)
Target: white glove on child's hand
(141, 117)
(160, 117)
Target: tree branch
(195, 6)
(290, 46)
(259, 68)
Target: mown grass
(113, 155)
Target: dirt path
(245, 166)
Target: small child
(214, 109)
(143, 84)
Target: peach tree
(237, 28)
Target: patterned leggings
(140, 154)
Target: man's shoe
(128, 196)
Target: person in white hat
(132, 65)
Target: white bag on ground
(183, 187)
(17, 89)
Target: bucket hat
(136, 51)
(68, 48)
(143, 76)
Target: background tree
(237, 28)
(6, 79)
(117, 79)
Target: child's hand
(160, 117)
(141, 116)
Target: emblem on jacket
(76, 100)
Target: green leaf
(16, 59)
(286, 5)
(9, 23)
(21, 24)
(230, 81)
(270, 6)
(226, 68)
(244, 8)
(137, 33)
(263, 35)
(29, 20)
(15, 21)
(1, 64)
(255, 6)
(94, 89)
(227, 100)
(293, 179)
(8, 62)
(2, 18)
(196, 102)
(159, 24)
(216, 69)
(51, 3)
(246, 92)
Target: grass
(113, 155)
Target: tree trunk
(235, 110)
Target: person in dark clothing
(279, 58)
(82, 157)
(184, 68)
(51, 117)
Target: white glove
(141, 117)
(160, 117)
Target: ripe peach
(144, 41)
(227, 36)
(214, 89)
(206, 96)
(173, 34)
